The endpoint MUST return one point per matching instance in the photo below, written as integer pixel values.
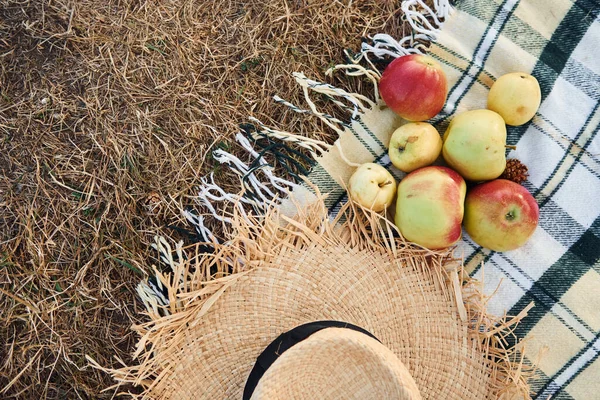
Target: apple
(414, 87)
(500, 215)
(372, 186)
(516, 97)
(474, 145)
(414, 145)
(430, 206)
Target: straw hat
(334, 363)
(408, 339)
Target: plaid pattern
(559, 268)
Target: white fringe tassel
(332, 92)
(314, 147)
(198, 222)
(358, 70)
(425, 22)
(258, 193)
(353, 103)
(152, 292)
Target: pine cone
(515, 171)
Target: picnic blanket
(559, 268)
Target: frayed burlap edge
(193, 290)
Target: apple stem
(511, 147)
(385, 184)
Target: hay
(108, 115)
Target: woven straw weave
(337, 363)
(407, 311)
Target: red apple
(414, 87)
(430, 207)
(500, 215)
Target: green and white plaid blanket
(559, 269)
(557, 41)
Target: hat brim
(298, 272)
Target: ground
(109, 112)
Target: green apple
(372, 186)
(430, 207)
(414, 145)
(500, 215)
(474, 145)
(516, 97)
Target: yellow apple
(516, 97)
(372, 186)
(414, 145)
(474, 145)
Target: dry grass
(105, 104)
